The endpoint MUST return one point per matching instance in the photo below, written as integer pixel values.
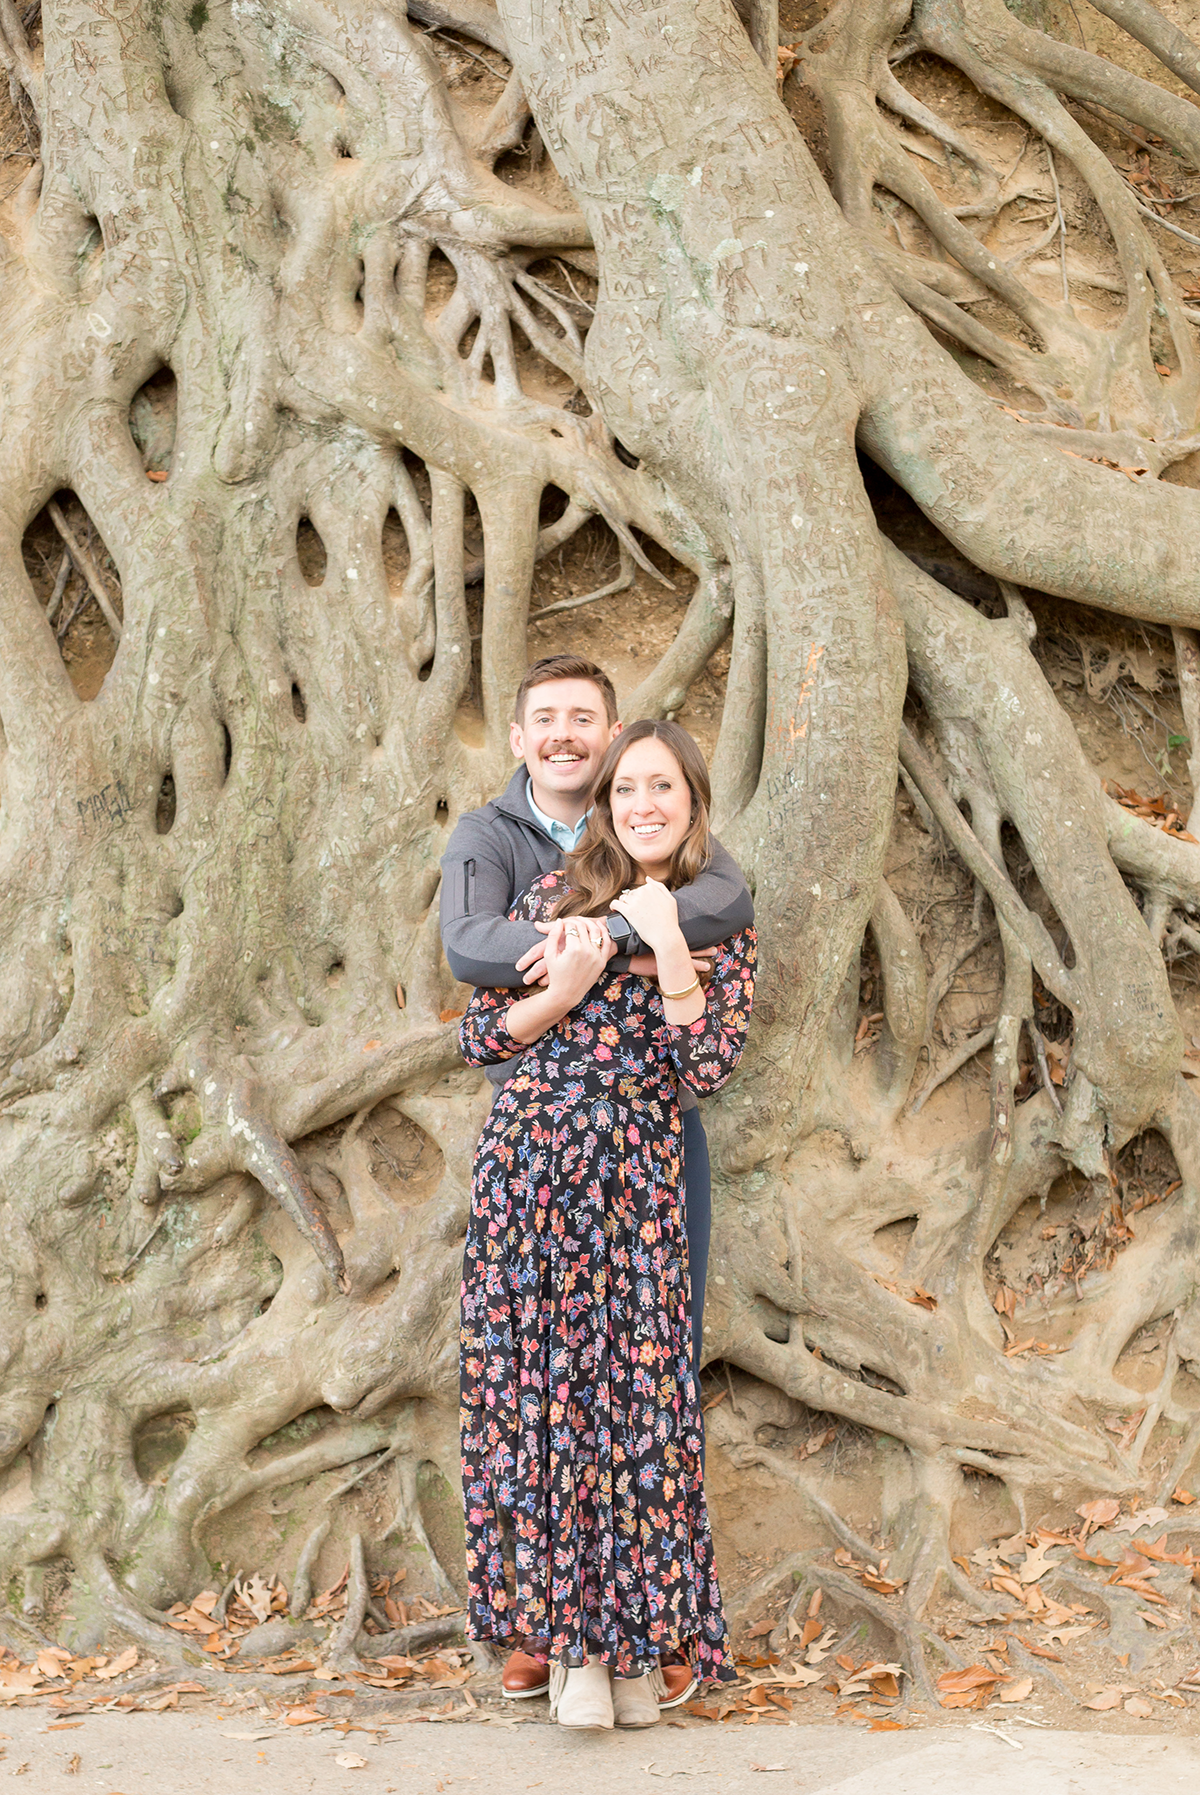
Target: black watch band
(628, 941)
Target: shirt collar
(566, 836)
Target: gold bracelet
(674, 996)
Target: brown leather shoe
(679, 1680)
(523, 1677)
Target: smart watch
(622, 931)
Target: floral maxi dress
(581, 1432)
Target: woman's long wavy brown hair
(599, 869)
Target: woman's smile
(651, 803)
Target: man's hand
(646, 966)
(533, 963)
(535, 959)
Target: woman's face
(651, 804)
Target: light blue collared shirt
(563, 835)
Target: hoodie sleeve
(481, 945)
(717, 904)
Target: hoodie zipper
(468, 887)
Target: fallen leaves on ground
(1098, 1513)
(1145, 1517)
(1159, 812)
(871, 1576)
(1016, 1692)
(915, 1294)
(1106, 1699)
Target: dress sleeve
(706, 1052)
(483, 1037)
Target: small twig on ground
(60, 586)
(1176, 230)
(87, 568)
(362, 1475)
(1062, 225)
(1039, 1048)
(462, 50)
(131, 1262)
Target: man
(565, 716)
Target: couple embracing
(609, 939)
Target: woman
(581, 1427)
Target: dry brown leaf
(256, 1594)
(1179, 1494)
(817, 1442)
(1108, 1698)
(881, 1585)
(17, 1679)
(1062, 1634)
(975, 1676)
(350, 1760)
(302, 1716)
(118, 1666)
(73, 1764)
(1139, 1707)
(1094, 1557)
(449, 1015)
(1036, 1564)
(887, 1726)
(1147, 1517)
(760, 1629)
(1016, 1692)
(1098, 1513)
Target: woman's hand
(577, 950)
(652, 910)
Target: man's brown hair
(564, 666)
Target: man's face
(564, 735)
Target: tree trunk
(288, 372)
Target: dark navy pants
(697, 1186)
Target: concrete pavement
(215, 1751)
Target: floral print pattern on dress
(586, 1524)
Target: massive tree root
(309, 361)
